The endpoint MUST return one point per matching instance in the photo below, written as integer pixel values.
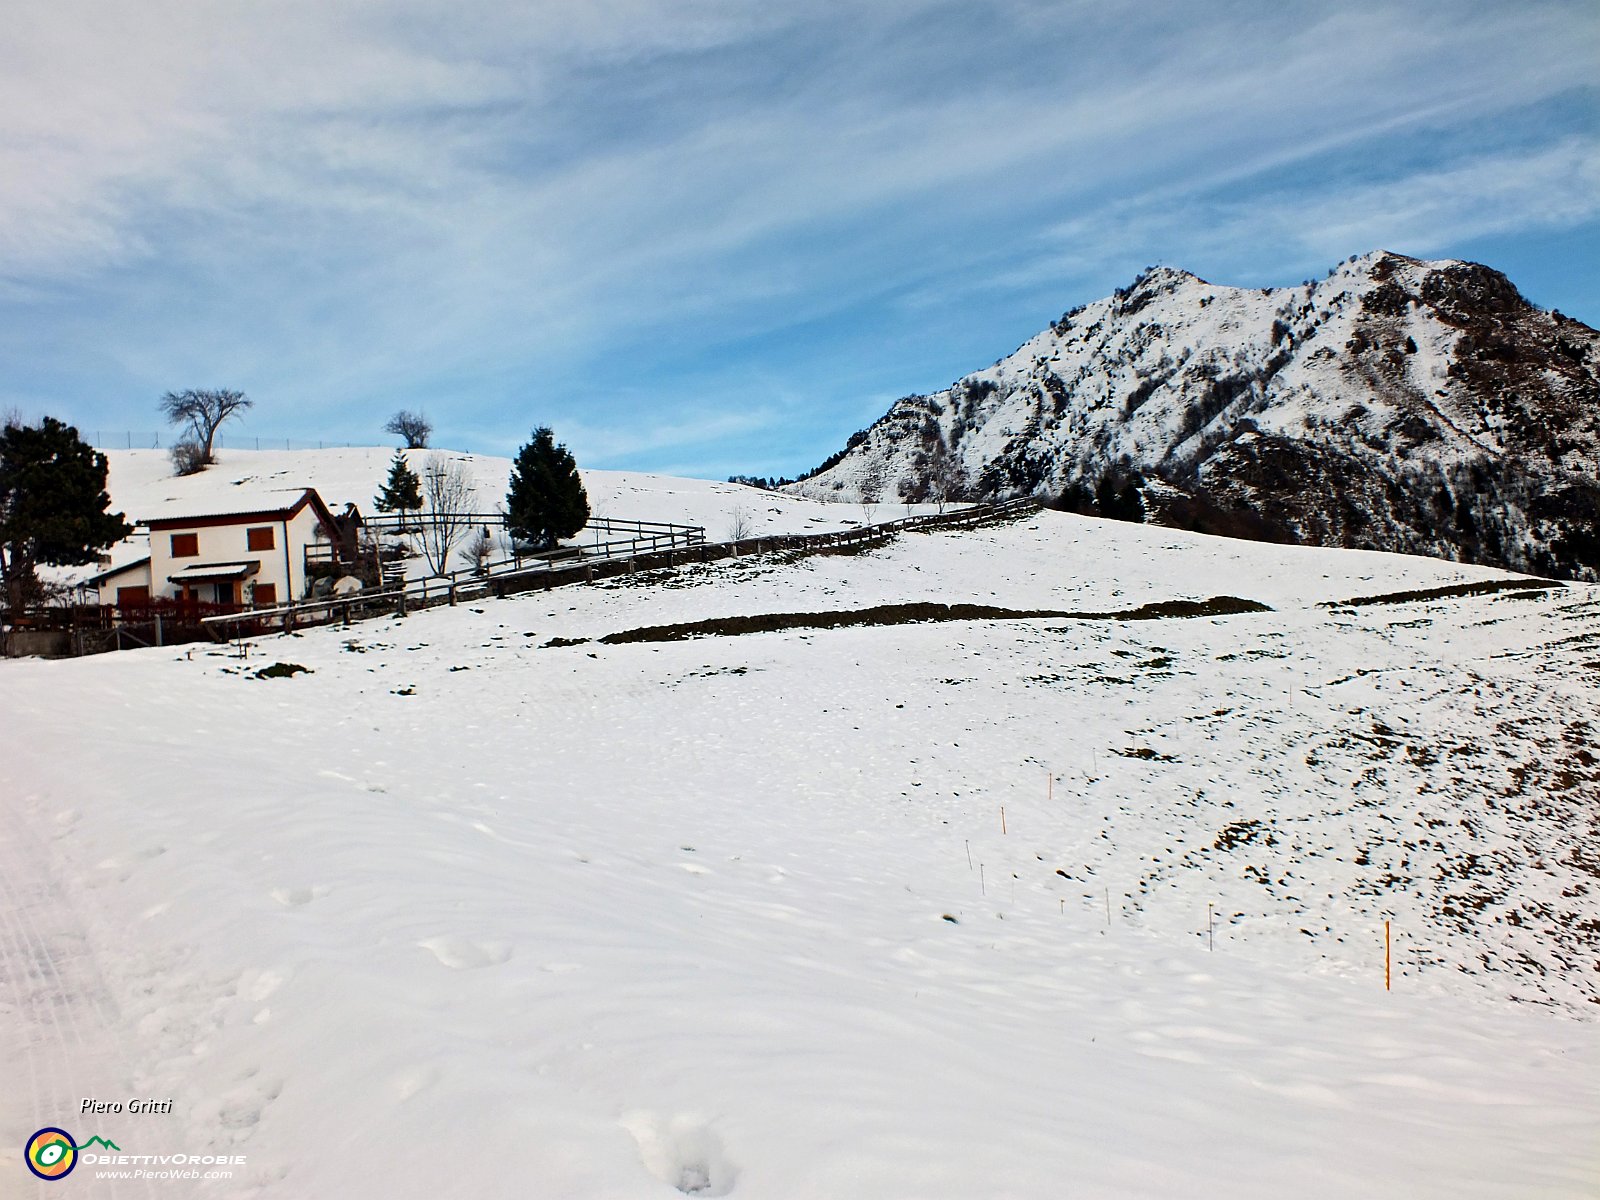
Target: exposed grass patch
(282, 671)
(1484, 588)
(1146, 753)
(1240, 833)
(1217, 606)
(924, 611)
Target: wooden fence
(613, 539)
(604, 560)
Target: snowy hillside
(1006, 908)
(142, 485)
(1421, 407)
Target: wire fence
(121, 441)
(152, 440)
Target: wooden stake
(1002, 818)
(1049, 787)
(982, 886)
(969, 854)
(1211, 928)
(1108, 908)
(1386, 975)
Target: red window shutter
(266, 595)
(185, 545)
(261, 538)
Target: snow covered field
(453, 912)
(141, 483)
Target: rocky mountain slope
(1420, 407)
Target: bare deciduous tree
(740, 524)
(414, 427)
(448, 492)
(909, 492)
(948, 482)
(203, 411)
(479, 549)
(871, 494)
(187, 457)
(937, 476)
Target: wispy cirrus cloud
(597, 206)
(1315, 223)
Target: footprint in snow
(682, 1152)
(298, 897)
(461, 954)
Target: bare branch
(203, 411)
(448, 491)
(414, 427)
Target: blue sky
(711, 236)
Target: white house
(248, 550)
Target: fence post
(158, 632)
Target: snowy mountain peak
(1396, 404)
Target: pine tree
(402, 493)
(53, 505)
(547, 501)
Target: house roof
(206, 572)
(110, 572)
(241, 505)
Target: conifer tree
(547, 500)
(53, 504)
(402, 493)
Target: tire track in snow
(59, 1012)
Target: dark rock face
(1398, 405)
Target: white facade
(255, 558)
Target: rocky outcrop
(1420, 407)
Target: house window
(266, 595)
(261, 539)
(185, 545)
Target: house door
(224, 593)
